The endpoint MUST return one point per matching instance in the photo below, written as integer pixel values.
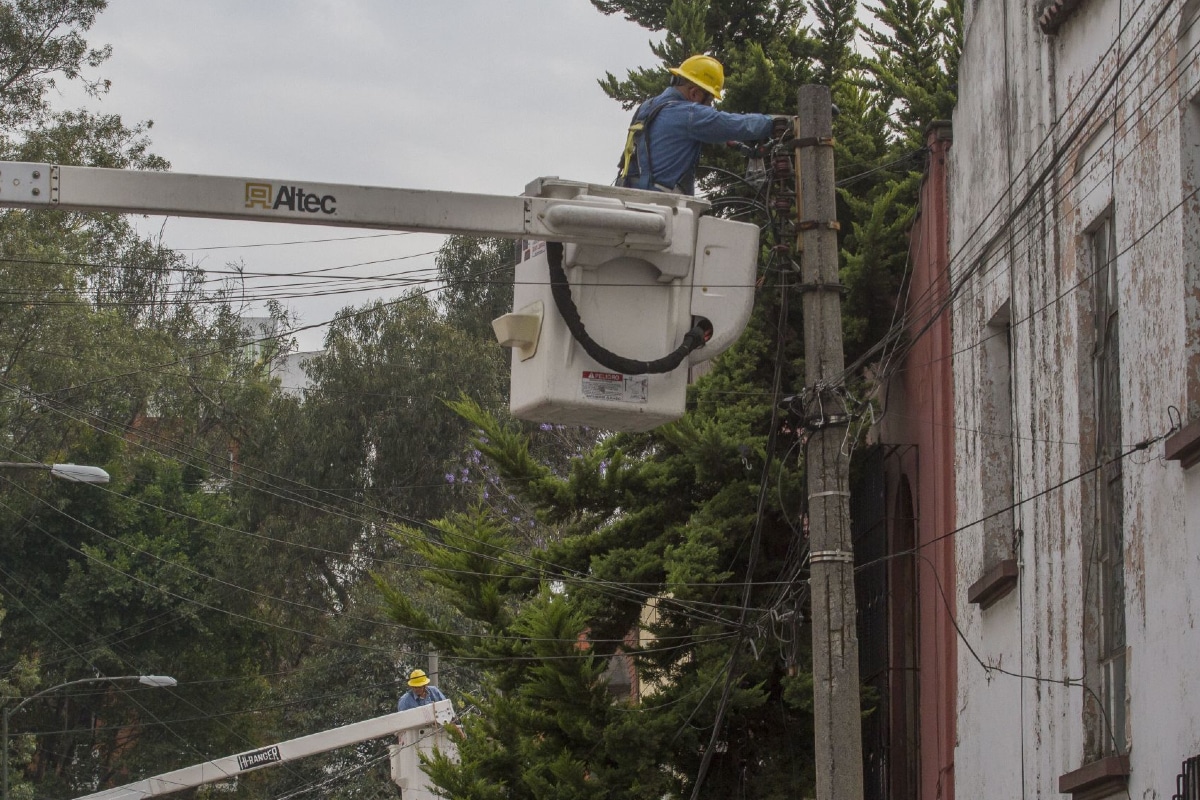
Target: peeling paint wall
(1093, 125)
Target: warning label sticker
(615, 387)
(527, 249)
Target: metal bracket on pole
(841, 556)
(817, 423)
(830, 493)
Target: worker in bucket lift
(420, 692)
(663, 145)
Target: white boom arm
(440, 713)
(586, 220)
(654, 279)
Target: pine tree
(660, 534)
(663, 520)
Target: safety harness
(637, 146)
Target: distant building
(254, 330)
(292, 372)
(289, 368)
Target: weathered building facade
(1075, 307)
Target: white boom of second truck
(432, 716)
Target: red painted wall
(918, 423)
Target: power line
(1005, 224)
(281, 487)
(298, 241)
(273, 598)
(320, 637)
(1136, 448)
(276, 599)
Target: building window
(1189, 124)
(1107, 561)
(999, 574)
(1184, 446)
(998, 443)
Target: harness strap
(638, 140)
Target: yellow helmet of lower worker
(704, 71)
(418, 678)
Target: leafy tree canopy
(41, 41)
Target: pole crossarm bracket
(814, 141)
(817, 224)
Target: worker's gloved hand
(782, 127)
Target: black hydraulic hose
(692, 340)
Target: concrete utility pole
(837, 716)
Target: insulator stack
(782, 202)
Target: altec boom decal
(293, 198)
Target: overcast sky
(460, 95)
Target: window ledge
(995, 584)
(1098, 779)
(1184, 445)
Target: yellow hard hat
(704, 71)
(418, 678)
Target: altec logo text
(293, 198)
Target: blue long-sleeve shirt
(677, 132)
(410, 700)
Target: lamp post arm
(23, 465)
(158, 681)
(20, 705)
(72, 473)
(9, 711)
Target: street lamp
(75, 473)
(156, 681)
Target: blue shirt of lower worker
(680, 129)
(410, 700)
